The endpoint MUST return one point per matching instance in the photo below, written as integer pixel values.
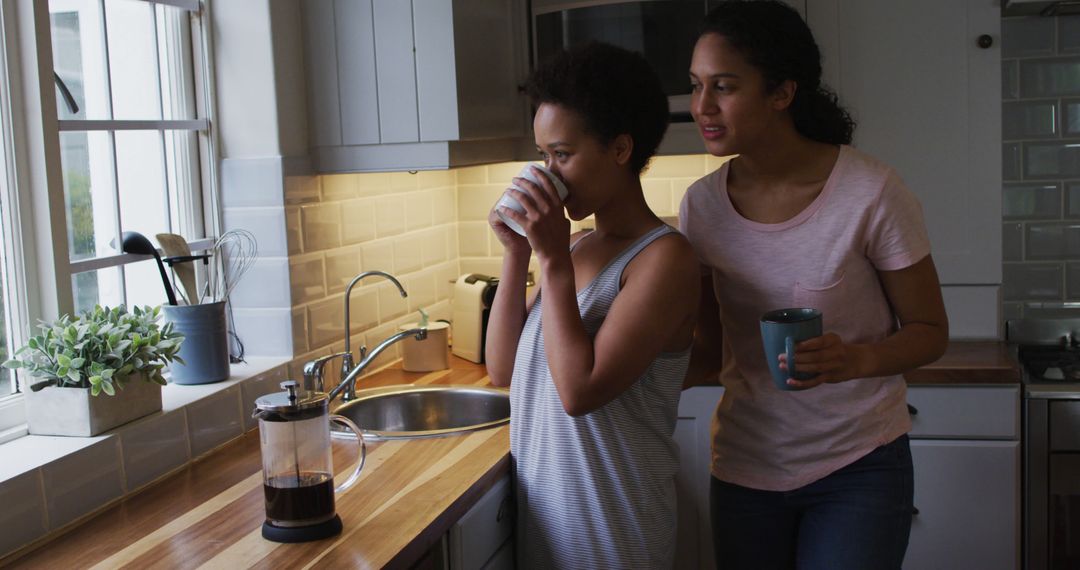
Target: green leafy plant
(99, 349)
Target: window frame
(39, 268)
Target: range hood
(1040, 7)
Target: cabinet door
(927, 101)
(395, 71)
(693, 433)
(320, 57)
(359, 104)
(484, 531)
(968, 497)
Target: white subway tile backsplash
(418, 209)
(472, 175)
(404, 181)
(1010, 161)
(1029, 119)
(247, 182)
(364, 308)
(473, 239)
(1032, 281)
(658, 196)
(1010, 79)
(341, 266)
(476, 201)
(158, 446)
(299, 330)
(337, 187)
(294, 230)
(327, 320)
(1023, 37)
(422, 290)
(433, 246)
(436, 178)
(1038, 201)
(1051, 160)
(358, 221)
(391, 304)
(444, 206)
(408, 253)
(268, 226)
(82, 481)
(302, 189)
(1012, 242)
(322, 226)
(214, 420)
(379, 255)
(1050, 77)
(306, 278)
(264, 332)
(1052, 241)
(23, 515)
(502, 173)
(689, 166)
(265, 285)
(389, 215)
(452, 248)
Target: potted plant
(96, 371)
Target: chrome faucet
(346, 356)
(347, 387)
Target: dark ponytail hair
(773, 38)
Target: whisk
(233, 254)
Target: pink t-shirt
(827, 257)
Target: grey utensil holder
(206, 343)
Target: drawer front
(1065, 426)
(965, 412)
(478, 535)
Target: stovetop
(1050, 363)
(1048, 351)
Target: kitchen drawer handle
(912, 410)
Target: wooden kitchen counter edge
(969, 362)
(210, 512)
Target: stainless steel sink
(425, 411)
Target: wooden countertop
(969, 362)
(210, 513)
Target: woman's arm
(707, 356)
(655, 309)
(914, 294)
(508, 310)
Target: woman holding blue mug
(818, 477)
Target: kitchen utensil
(234, 253)
(204, 355)
(529, 172)
(781, 330)
(298, 475)
(176, 246)
(134, 242)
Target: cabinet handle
(912, 410)
(985, 41)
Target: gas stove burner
(1051, 363)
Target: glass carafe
(298, 474)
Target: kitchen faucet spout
(347, 387)
(347, 357)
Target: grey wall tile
(252, 182)
(1070, 117)
(1029, 119)
(1010, 161)
(1011, 311)
(1031, 201)
(1049, 77)
(1010, 79)
(1068, 34)
(23, 515)
(1034, 281)
(1051, 160)
(1012, 242)
(157, 446)
(214, 420)
(1021, 37)
(1072, 200)
(79, 483)
(1052, 241)
(1051, 311)
(1072, 280)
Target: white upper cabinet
(923, 80)
(420, 84)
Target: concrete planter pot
(74, 412)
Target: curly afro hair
(614, 90)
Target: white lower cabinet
(693, 433)
(483, 538)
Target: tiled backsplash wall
(1041, 165)
(426, 229)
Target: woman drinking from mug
(819, 476)
(596, 360)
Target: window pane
(86, 158)
(101, 287)
(182, 168)
(144, 284)
(175, 62)
(79, 57)
(131, 29)
(7, 377)
(141, 181)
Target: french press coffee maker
(298, 476)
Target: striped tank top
(597, 490)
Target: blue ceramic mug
(781, 330)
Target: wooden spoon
(176, 246)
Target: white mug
(508, 200)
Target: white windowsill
(29, 452)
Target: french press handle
(347, 423)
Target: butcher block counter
(210, 514)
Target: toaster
(473, 295)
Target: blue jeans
(856, 518)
